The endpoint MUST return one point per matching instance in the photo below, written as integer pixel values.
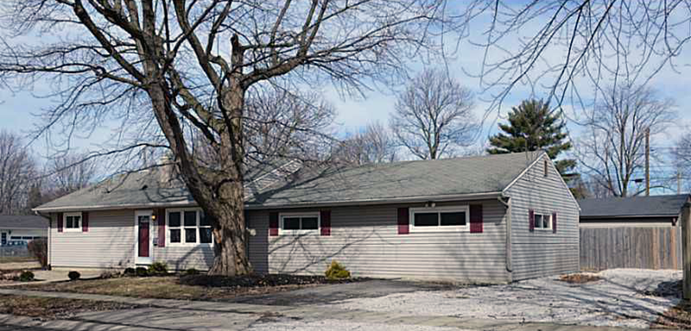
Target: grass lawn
(185, 288)
(16, 259)
(52, 308)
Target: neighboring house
(633, 232)
(489, 219)
(14, 228)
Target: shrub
(141, 272)
(158, 268)
(129, 272)
(74, 275)
(336, 271)
(26, 276)
(39, 249)
(191, 272)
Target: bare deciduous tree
(372, 145)
(17, 174)
(682, 160)
(554, 45)
(613, 149)
(433, 115)
(69, 173)
(184, 68)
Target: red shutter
(554, 222)
(531, 220)
(59, 222)
(85, 221)
(325, 219)
(161, 220)
(403, 222)
(273, 224)
(475, 218)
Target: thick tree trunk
(230, 234)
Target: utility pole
(647, 162)
(678, 181)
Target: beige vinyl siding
(109, 243)
(366, 240)
(541, 252)
(200, 257)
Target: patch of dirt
(258, 280)
(190, 287)
(579, 278)
(677, 317)
(54, 308)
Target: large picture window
(452, 218)
(188, 227)
(299, 222)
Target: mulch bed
(258, 280)
(579, 278)
(54, 308)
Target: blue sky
(17, 110)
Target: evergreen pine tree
(531, 127)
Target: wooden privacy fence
(631, 247)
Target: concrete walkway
(161, 314)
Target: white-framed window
(188, 226)
(543, 221)
(73, 221)
(434, 219)
(298, 222)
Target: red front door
(144, 236)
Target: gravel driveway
(622, 298)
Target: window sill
(185, 245)
(72, 230)
(298, 232)
(414, 229)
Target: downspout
(509, 255)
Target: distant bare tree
(373, 145)
(17, 174)
(682, 160)
(69, 173)
(613, 149)
(434, 115)
(283, 124)
(181, 70)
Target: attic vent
(145, 187)
(546, 168)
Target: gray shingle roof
(660, 205)
(369, 183)
(23, 222)
(400, 180)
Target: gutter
(509, 251)
(435, 198)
